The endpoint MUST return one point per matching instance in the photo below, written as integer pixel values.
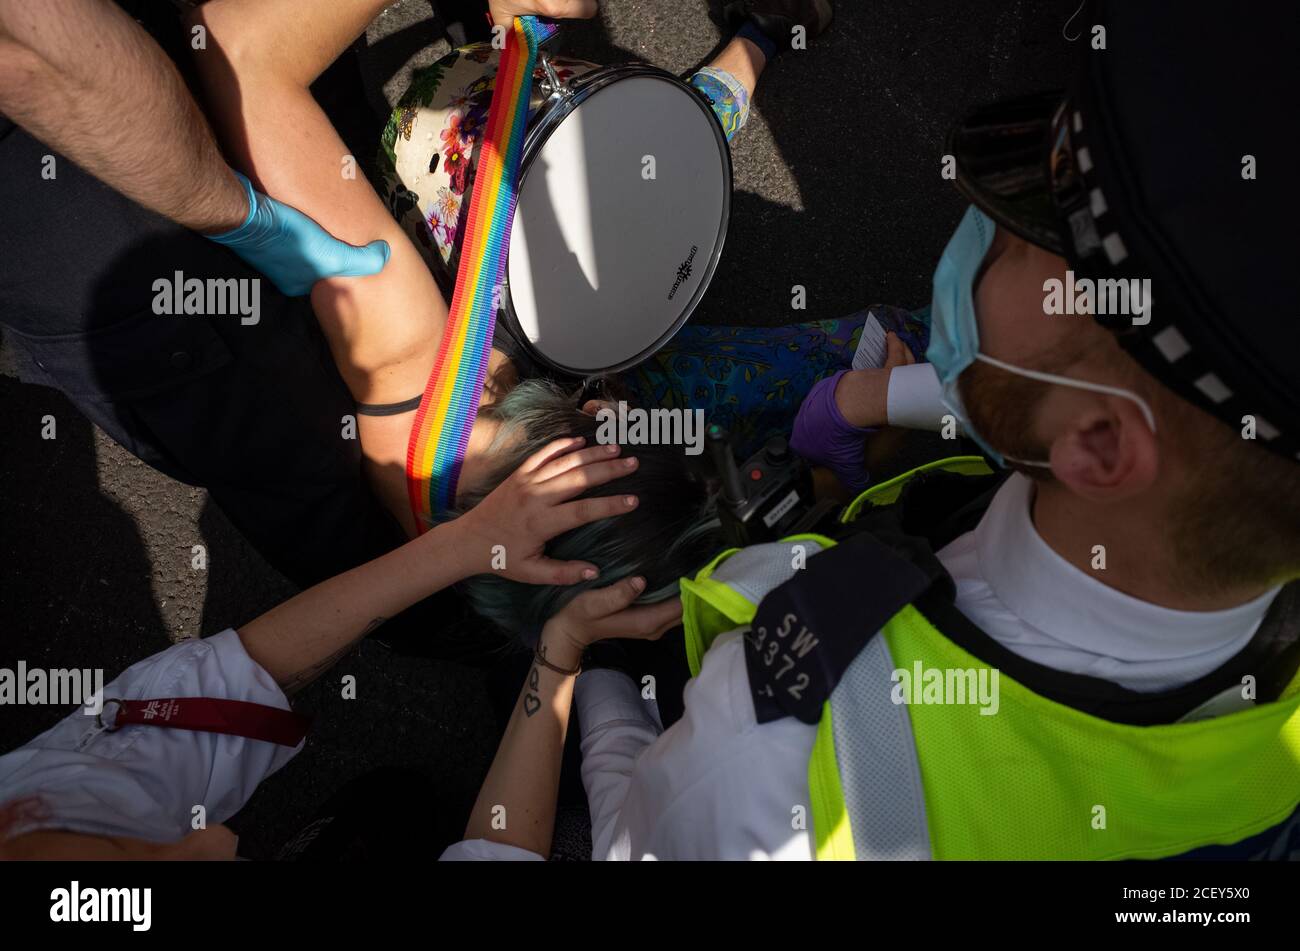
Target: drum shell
(429, 158)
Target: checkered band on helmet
(1170, 351)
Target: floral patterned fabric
(751, 380)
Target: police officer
(1102, 666)
(111, 181)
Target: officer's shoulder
(810, 628)
(756, 570)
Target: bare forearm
(383, 330)
(298, 640)
(86, 80)
(516, 805)
(279, 37)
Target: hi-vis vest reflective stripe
(1036, 780)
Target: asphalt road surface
(837, 188)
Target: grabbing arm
(86, 80)
(523, 783)
(298, 640)
(259, 62)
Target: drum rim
(552, 113)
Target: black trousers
(255, 415)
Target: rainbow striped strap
(451, 398)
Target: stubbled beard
(1002, 406)
(1217, 554)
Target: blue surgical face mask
(954, 333)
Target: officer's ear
(1106, 451)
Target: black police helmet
(1171, 157)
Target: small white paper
(871, 350)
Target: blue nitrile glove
(824, 437)
(292, 250)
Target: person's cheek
(993, 305)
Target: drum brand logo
(684, 271)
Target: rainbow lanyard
(451, 398)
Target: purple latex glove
(824, 437)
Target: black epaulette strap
(808, 630)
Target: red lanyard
(256, 721)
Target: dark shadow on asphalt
(76, 590)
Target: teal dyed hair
(673, 531)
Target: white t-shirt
(718, 784)
(144, 781)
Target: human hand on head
(537, 503)
(504, 10)
(604, 613)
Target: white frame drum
(554, 100)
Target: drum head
(621, 218)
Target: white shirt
(718, 784)
(144, 781)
